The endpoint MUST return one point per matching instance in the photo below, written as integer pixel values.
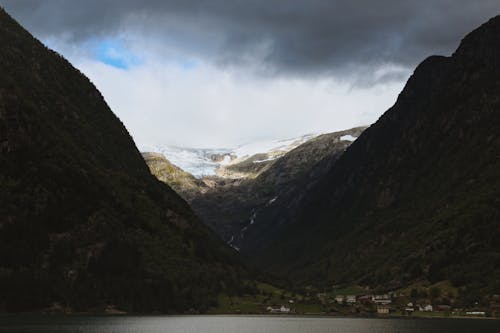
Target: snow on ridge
(199, 162)
(271, 146)
(348, 137)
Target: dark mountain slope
(417, 196)
(228, 206)
(279, 187)
(83, 222)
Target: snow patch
(348, 137)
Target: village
(419, 300)
(415, 303)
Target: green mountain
(417, 196)
(83, 223)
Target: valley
(400, 217)
(413, 199)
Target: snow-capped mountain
(198, 162)
(205, 162)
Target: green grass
(268, 295)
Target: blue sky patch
(112, 52)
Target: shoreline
(322, 316)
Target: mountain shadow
(417, 196)
(83, 223)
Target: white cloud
(192, 103)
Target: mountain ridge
(83, 223)
(428, 168)
(229, 205)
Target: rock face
(83, 223)
(416, 196)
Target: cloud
(206, 107)
(345, 38)
(218, 73)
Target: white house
(350, 299)
(284, 309)
(381, 299)
(426, 308)
(339, 299)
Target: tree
(435, 292)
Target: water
(238, 324)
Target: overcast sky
(220, 73)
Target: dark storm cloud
(288, 37)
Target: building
(381, 299)
(282, 309)
(339, 299)
(425, 308)
(409, 309)
(350, 299)
(443, 308)
(476, 313)
(383, 309)
(365, 299)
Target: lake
(239, 324)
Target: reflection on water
(239, 324)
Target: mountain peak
(482, 46)
(83, 223)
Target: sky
(217, 74)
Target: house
(282, 309)
(443, 308)
(321, 295)
(350, 299)
(383, 309)
(409, 309)
(365, 299)
(339, 299)
(425, 308)
(381, 299)
(476, 313)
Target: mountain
(250, 160)
(180, 180)
(417, 196)
(279, 187)
(252, 181)
(235, 162)
(83, 223)
(197, 162)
